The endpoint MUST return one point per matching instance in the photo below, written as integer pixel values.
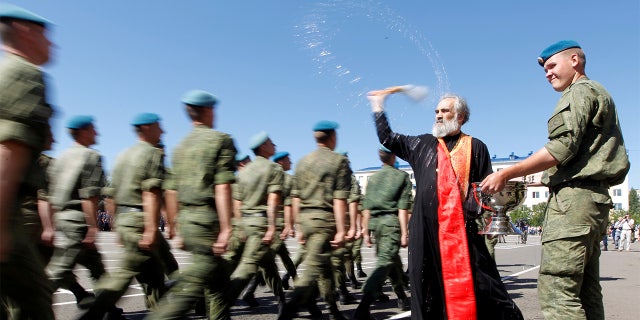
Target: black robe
(425, 271)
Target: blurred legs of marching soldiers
(297, 260)
(318, 230)
(136, 263)
(256, 255)
(69, 251)
(279, 247)
(168, 267)
(387, 232)
(355, 258)
(153, 281)
(207, 277)
(338, 259)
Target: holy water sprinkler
(415, 93)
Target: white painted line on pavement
(519, 273)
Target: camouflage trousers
(206, 277)
(24, 286)
(387, 234)
(569, 280)
(69, 250)
(319, 230)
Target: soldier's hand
(48, 237)
(351, 234)
(301, 239)
(220, 246)
(148, 239)
(358, 234)
(285, 233)
(268, 236)
(338, 240)
(89, 240)
(493, 183)
(172, 232)
(404, 240)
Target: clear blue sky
(281, 66)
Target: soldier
(284, 229)
(203, 171)
(584, 156)
(355, 260)
(136, 188)
(77, 179)
(259, 193)
(24, 118)
(385, 213)
(342, 255)
(320, 189)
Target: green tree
(537, 215)
(522, 212)
(634, 204)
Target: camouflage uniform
(585, 138)
(388, 191)
(138, 169)
(278, 245)
(24, 117)
(77, 175)
(204, 159)
(255, 182)
(30, 211)
(320, 177)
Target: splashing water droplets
(360, 43)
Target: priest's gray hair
(460, 106)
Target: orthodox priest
(451, 272)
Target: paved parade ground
(518, 264)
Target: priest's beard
(443, 129)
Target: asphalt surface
(518, 264)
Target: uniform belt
(254, 214)
(386, 213)
(578, 183)
(129, 209)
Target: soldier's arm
(365, 227)
(295, 211)
(339, 213)
(151, 203)
(14, 159)
(45, 211)
(353, 208)
(89, 208)
(171, 206)
(403, 216)
(273, 202)
(224, 208)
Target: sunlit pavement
(518, 264)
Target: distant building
(536, 191)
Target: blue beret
(9, 11)
(342, 152)
(79, 122)
(325, 125)
(258, 139)
(199, 98)
(145, 118)
(555, 48)
(385, 149)
(279, 155)
(241, 157)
